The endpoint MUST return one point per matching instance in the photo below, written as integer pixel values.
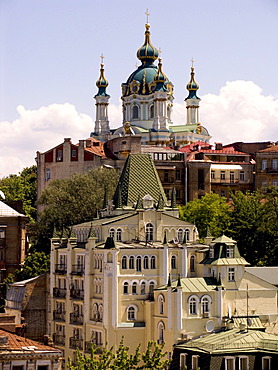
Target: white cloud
(239, 113)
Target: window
(195, 362)
(205, 305)
(124, 262)
(125, 290)
(229, 363)
(138, 263)
(192, 263)
(119, 235)
(146, 262)
(134, 288)
(135, 112)
(131, 313)
(242, 176)
(264, 164)
(47, 174)
(192, 306)
(180, 235)
(212, 175)
(274, 164)
(149, 232)
(182, 360)
(201, 179)
(231, 274)
(112, 233)
(266, 362)
(153, 262)
(59, 155)
(187, 235)
(2, 233)
(230, 252)
(73, 153)
(211, 253)
(222, 175)
(222, 193)
(161, 329)
(232, 177)
(143, 288)
(166, 175)
(151, 111)
(178, 175)
(174, 262)
(243, 363)
(151, 287)
(131, 262)
(275, 182)
(161, 304)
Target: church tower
(192, 100)
(102, 98)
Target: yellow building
(139, 272)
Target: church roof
(139, 177)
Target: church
(147, 102)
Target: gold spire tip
(147, 15)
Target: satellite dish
(210, 326)
(2, 195)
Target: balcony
(59, 339)
(77, 294)
(60, 269)
(76, 318)
(98, 347)
(59, 315)
(59, 292)
(75, 343)
(77, 270)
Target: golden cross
(101, 57)
(147, 14)
(192, 61)
(159, 52)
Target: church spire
(192, 100)
(147, 53)
(102, 98)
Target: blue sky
(49, 63)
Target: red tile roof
(272, 148)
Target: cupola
(192, 86)
(102, 82)
(147, 53)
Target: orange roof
(97, 147)
(15, 342)
(272, 148)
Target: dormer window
(230, 252)
(148, 201)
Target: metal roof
(269, 274)
(6, 211)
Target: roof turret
(102, 82)
(160, 79)
(147, 53)
(192, 86)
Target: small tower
(102, 98)
(160, 100)
(192, 101)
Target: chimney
(218, 146)
(3, 341)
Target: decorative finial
(136, 65)
(192, 61)
(159, 52)
(101, 58)
(147, 15)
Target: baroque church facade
(147, 103)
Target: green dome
(192, 86)
(101, 83)
(147, 52)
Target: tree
(210, 211)
(37, 263)
(121, 359)
(22, 187)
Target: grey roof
(269, 273)
(6, 211)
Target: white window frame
(230, 252)
(226, 362)
(119, 234)
(269, 362)
(124, 262)
(246, 358)
(264, 164)
(173, 262)
(149, 232)
(194, 362)
(231, 274)
(132, 316)
(112, 233)
(193, 303)
(161, 304)
(180, 235)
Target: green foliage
(35, 264)
(211, 211)
(121, 359)
(22, 187)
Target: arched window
(95, 311)
(138, 263)
(100, 311)
(153, 262)
(152, 111)
(151, 287)
(187, 235)
(192, 263)
(205, 305)
(192, 306)
(174, 262)
(180, 235)
(149, 232)
(135, 112)
(119, 235)
(131, 313)
(146, 262)
(161, 304)
(134, 288)
(161, 328)
(112, 233)
(124, 262)
(125, 290)
(143, 287)
(131, 262)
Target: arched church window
(151, 111)
(149, 232)
(135, 112)
(180, 235)
(161, 328)
(124, 262)
(131, 262)
(192, 263)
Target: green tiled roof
(183, 128)
(228, 261)
(195, 285)
(139, 178)
(233, 341)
